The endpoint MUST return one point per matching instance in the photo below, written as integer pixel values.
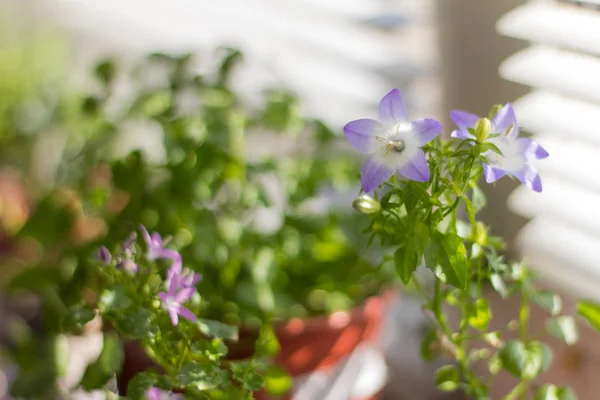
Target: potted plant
(291, 278)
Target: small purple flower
(518, 153)
(185, 278)
(174, 298)
(155, 247)
(103, 255)
(393, 143)
(155, 393)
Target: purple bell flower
(393, 143)
(518, 153)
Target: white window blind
(340, 56)
(562, 111)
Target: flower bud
(483, 128)
(103, 255)
(494, 110)
(365, 204)
(480, 234)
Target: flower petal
(173, 285)
(530, 178)
(417, 169)
(186, 313)
(503, 120)
(174, 317)
(184, 295)
(374, 172)
(156, 239)
(461, 135)
(163, 297)
(426, 129)
(392, 108)
(492, 174)
(146, 235)
(167, 254)
(531, 149)
(463, 120)
(153, 393)
(361, 134)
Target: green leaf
(432, 248)
(137, 387)
(591, 312)
(247, 375)
(478, 199)
(113, 299)
(480, 314)
(470, 210)
(452, 257)
(200, 375)
(525, 361)
(217, 329)
(136, 323)
(214, 349)
(551, 392)
(564, 328)
(78, 315)
(539, 359)
(549, 301)
(490, 146)
(277, 381)
(406, 261)
(513, 357)
(498, 284)
(427, 345)
(447, 378)
(108, 363)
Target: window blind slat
(554, 23)
(556, 70)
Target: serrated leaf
(108, 363)
(78, 315)
(552, 392)
(213, 349)
(113, 299)
(591, 312)
(246, 374)
(564, 328)
(200, 375)
(549, 301)
(217, 329)
(136, 323)
(447, 378)
(137, 387)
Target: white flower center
(511, 160)
(398, 145)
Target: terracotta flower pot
(318, 345)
